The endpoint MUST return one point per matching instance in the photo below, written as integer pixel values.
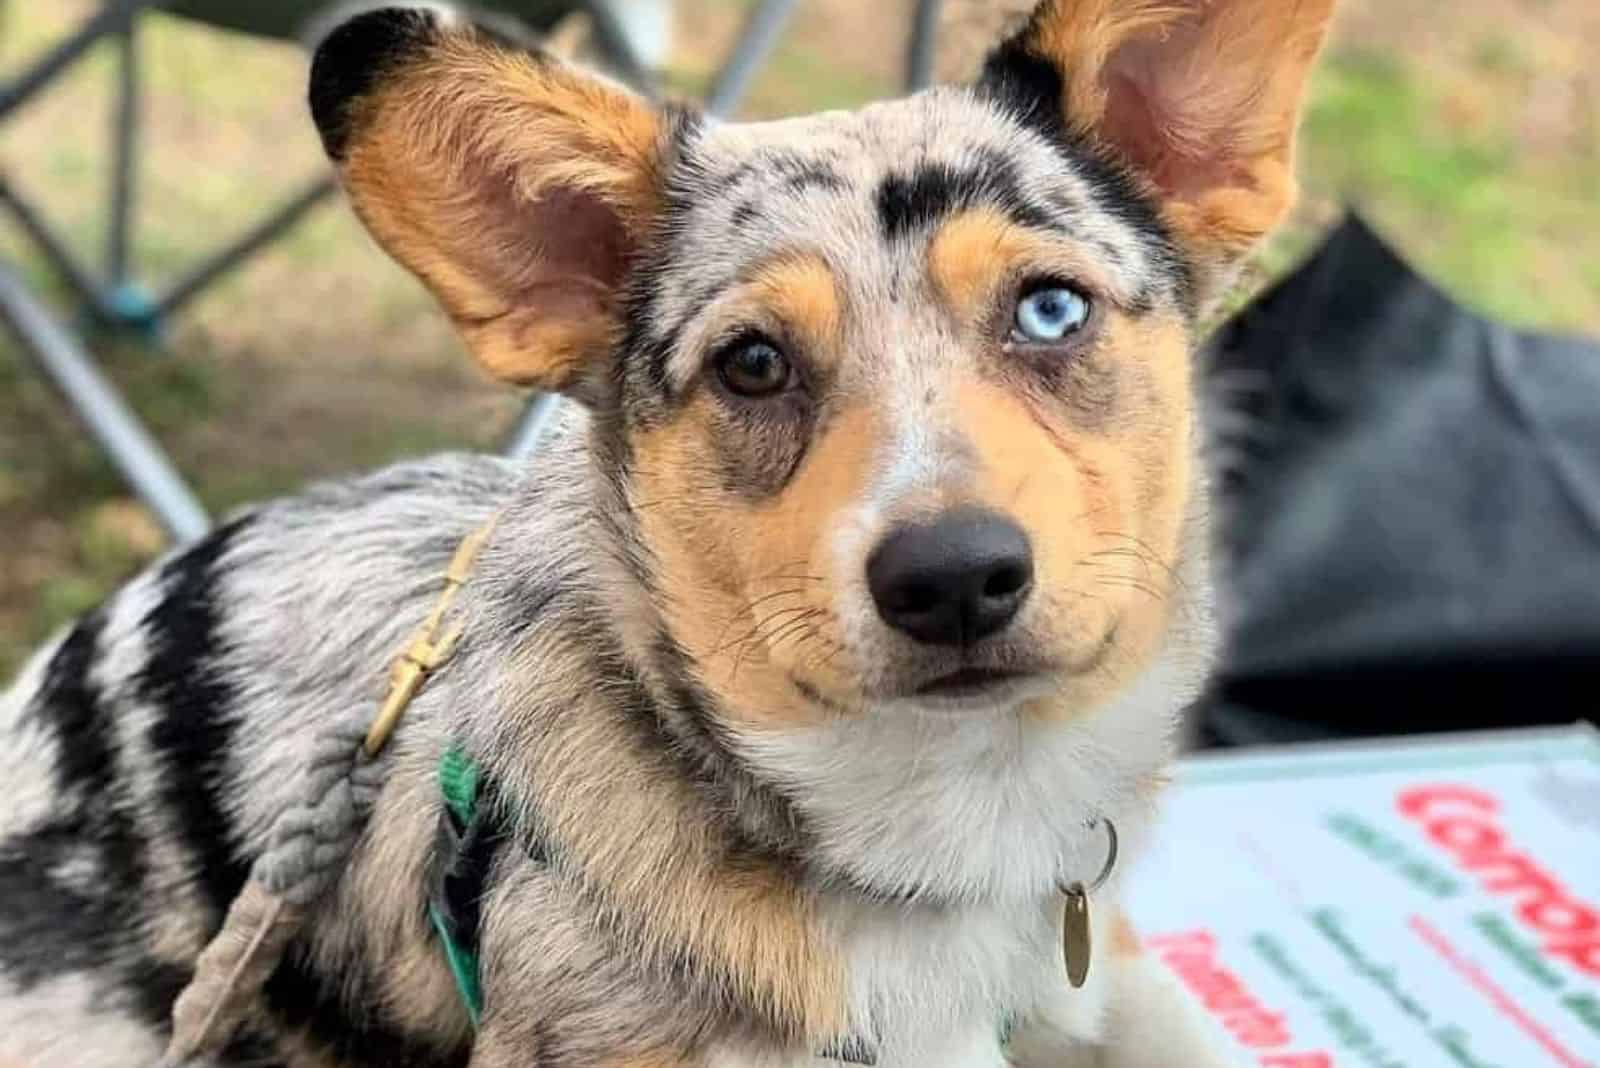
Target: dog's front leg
(521, 1047)
(1152, 1022)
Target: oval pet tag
(1075, 939)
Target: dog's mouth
(1003, 676)
(973, 682)
(981, 685)
(974, 678)
(968, 685)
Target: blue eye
(1048, 313)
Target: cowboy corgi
(842, 626)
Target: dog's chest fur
(986, 822)
(949, 986)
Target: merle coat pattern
(750, 822)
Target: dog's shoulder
(283, 611)
(146, 748)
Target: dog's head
(900, 399)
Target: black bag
(1409, 510)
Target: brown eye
(754, 367)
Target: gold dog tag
(1076, 943)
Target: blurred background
(1468, 133)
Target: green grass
(1505, 231)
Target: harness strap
(311, 840)
(468, 839)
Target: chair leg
(125, 151)
(919, 54)
(114, 427)
(532, 425)
(252, 241)
(755, 43)
(618, 49)
(44, 70)
(77, 277)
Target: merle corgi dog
(852, 605)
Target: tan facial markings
(792, 296)
(962, 258)
(800, 291)
(975, 255)
(749, 588)
(1061, 485)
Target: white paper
(1411, 905)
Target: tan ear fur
(1200, 97)
(516, 187)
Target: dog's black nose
(955, 580)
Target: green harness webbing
(459, 782)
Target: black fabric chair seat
(1410, 510)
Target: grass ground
(1469, 132)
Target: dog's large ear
(1200, 98)
(516, 187)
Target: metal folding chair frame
(113, 297)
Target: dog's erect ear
(1199, 97)
(516, 187)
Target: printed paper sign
(1419, 905)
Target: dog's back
(145, 751)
